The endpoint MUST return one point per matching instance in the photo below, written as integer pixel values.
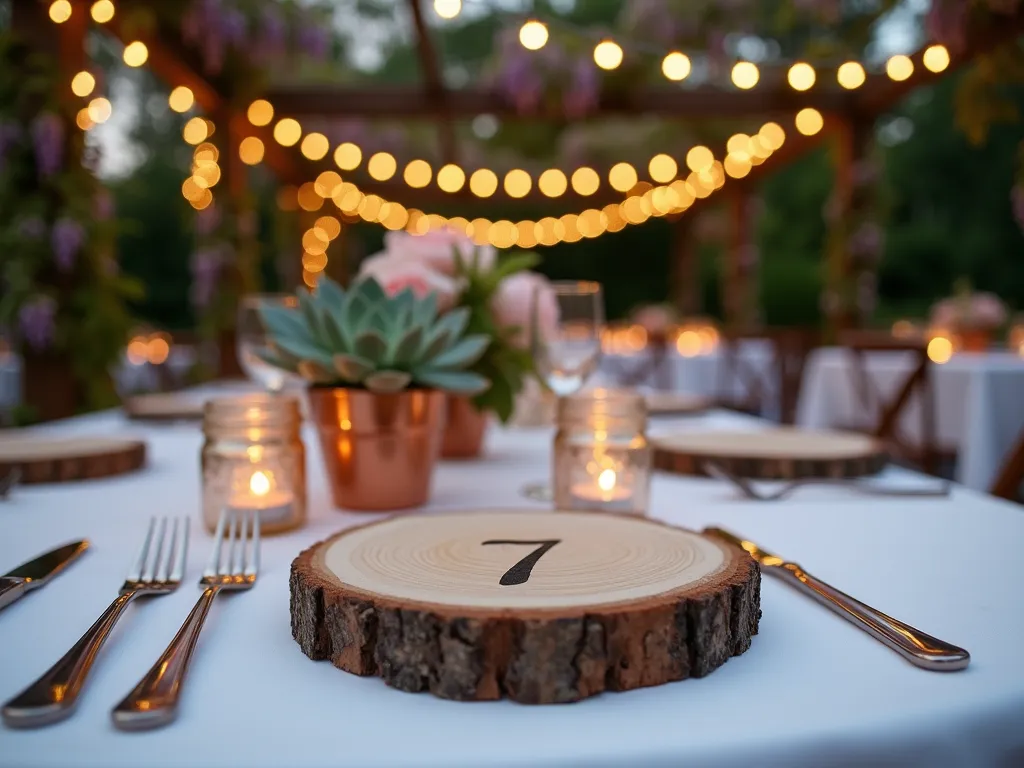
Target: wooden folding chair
(923, 453)
(653, 367)
(1011, 476)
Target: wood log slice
(676, 403)
(540, 607)
(782, 453)
(56, 460)
(170, 406)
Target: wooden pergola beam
(434, 90)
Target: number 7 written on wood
(520, 572)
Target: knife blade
(38, 571)
(917, 647)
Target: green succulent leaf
(313, 371)
(276, 359)
(456, 382)
(352, 368)
(462, 354)
(388, 381)
(357, 311)
(425, 311)
(312, 315)
(453, 323)
(284, 323)
(371, 345)
(302, 349)
(329, 294)
(407, 347)
(370, 291)
(334, 334)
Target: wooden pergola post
(684, 279)
(739, 290)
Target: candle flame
(606, 480)
(259, 484)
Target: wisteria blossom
(207, 220)
(48, 143)
(103, 205)
(10, 134)
(66, 239)
(866, 243)
(36, 322)
(206, 266)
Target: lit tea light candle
(262, 495)
(605, 489)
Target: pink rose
(987, 311)
(945, 314)
(513, 302)
(396, 274)
(435, 249)
(656, 319)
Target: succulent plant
(364, 338)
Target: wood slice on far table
(781, 453)
(165, 406)
(42, 459)
(675, 403)
(541, 607)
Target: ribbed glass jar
(253, 459)
(602, 460)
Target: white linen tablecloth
(811, 691)
(979, 403)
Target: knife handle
(11, 590)
(915, 646)
(53, 696)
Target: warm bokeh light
(82, 119)
(308, 199)
(135, 53)
(483, 182)
(60, 11)
(517, 183)
(315, 242)
(102, 11)
(447, 9)
(206, 153)
(737, 165)
(195, 131)
(699, 158)
(330, 225)
(899, 67)
(772, 136)
(100, 110)
(348, 156)
(533, 35)
(158, 349)
(287, 132)
(203, 201)
(347, 197)
(809, 121)
(315, 146)
(381, 166)
(502, 234)
(940, 350)
(417, 174)
(370, 207)
(310, 278)
(451, 178)
(663, 168)
(851, 75)
(181, 99)
(83, 83)
(676, 66)
(251, 150)
(607, 54)
(738, 143)
(526, 236)
(552, 183)
(207, 175)
(622, 177)
(260, 112)
(745, 75)
(801, 76)
(326, 183)
(585, 181)
(314, 262)
(936, 58)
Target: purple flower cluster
(10, 134)
(48, 143)
(66, 239)
(31, 228)
(206, 266)
(36, 321)
(866, 243)
(103, 205)
(207, 220)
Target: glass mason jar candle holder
(602, 460)
(253, 459)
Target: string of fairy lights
(670, 189)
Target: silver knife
(35, 573)
(915, 646)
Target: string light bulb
(801, 76)
(899, 67)
(699, 159)
(100, 110)
(483, 182)
(552, 183)
(447, 9)
(772, 136)
(607, 54)
(745, 75)
(662, 168)
(417, 174)
(181, 99)
(451, 178)
(809, 121)
(381, 166)
(195, 131)
(287, 132)
(517, 183)
(585, 181)
(102, 11)
(851, 75)
(83, 84)
(348, 156)
(135, 53)
(622, 177)
(60, 11)
(676, 66)
(533, 35)
(260, 112)
(315, 146)
(935, 58)
(251, 150)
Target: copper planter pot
(379, 450)
(464, 430)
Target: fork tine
(172, 548)
(253, 562)
(224, 568)
(238, 551)
(178, 570)
(153, 556)
(135, 572)
(218, 541)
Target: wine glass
(252, 336)
(566, 322)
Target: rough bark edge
(534, 657)
(682, 463)
(116, 461)
(138, 408)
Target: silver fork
(156, 571)
(154, 701)
(747, 487)
(8, 481)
